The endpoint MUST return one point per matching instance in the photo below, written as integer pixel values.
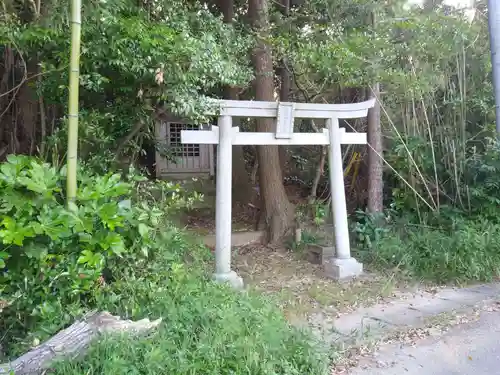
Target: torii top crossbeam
(285, 113)
(250, 108)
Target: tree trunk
(278, 209)
(7, 97)
(5, 82)
(73, 341)
(43, 120)
(28, 114)
(375, 150)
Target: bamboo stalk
(74, 78)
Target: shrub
(54, 258)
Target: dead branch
(74, 341)
(319, 170)
(123, 142)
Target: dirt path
(462, 344)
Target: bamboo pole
(74, 78)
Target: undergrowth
(463, 250)
(207, 328)
(115, 249)
(457, 242)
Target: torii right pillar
(343, 266)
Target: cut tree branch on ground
(74, 341)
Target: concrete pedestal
(342, 269)
(231, 277)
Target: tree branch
(74, 341)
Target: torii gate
(225, 136)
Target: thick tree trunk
(375, 150)
(73, 341)
(28, 111)
(6, 70)
(43, 120)
(279, 211)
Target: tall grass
(451, 250)
(207, 328)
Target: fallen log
(74, 341)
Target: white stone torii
(225, 136)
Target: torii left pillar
(223, 272)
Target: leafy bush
(484, 177)
(458, 243)
(367, 228)
(54, 258)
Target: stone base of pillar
(231, 278)
(342, 269)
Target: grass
(466, 251)
(207, 328)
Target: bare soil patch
(300, 287)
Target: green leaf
(90, 258)
(143, 230)
(34, 250)
(113, 242)
(14, 233)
